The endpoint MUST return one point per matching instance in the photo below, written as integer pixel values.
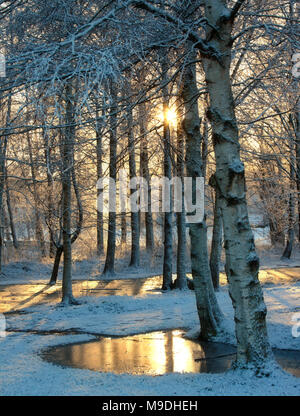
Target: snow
(37, 272)
(23, 372)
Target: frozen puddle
(156, 353)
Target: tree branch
(236, 8)
(204, 47)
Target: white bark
(242, 263)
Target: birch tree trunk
(38, 221)
(135, 228)
(242, 263)
(144, 173)
(50, 203)
(11, 217)
(216, 242)
(99, 156)
(100, 233)
(208, 310)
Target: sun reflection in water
(155, 353)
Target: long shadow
(33, 296)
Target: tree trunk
(291, 220)
(297, 133)
(67, 150)
(297, 150)
(207, 306)
(3, 149)
(50, 204)
(109, 268)
(11, 218)
(291, 233)
(6, 225)
(135, 229)
(55, 269)
(99, 153)
(216, 242)
(144, 173)
(181, 281)
(2, 184)
(123, 228)
(242, 263)
(168, 216)
(59, 247)
(276, 234)
(38, 222)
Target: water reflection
(156, 353)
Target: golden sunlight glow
(171, 117)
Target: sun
(171, 117)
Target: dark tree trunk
(297, 151)
(291, 220)
(109, 267)
(216, 242)
(123, 228)
(55, 269)
(168, 216)
(181, 281)
(67, 151)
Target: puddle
(156, 353)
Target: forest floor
(36, 270)
(43, 323)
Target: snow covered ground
(37, 271)
(23, 372)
